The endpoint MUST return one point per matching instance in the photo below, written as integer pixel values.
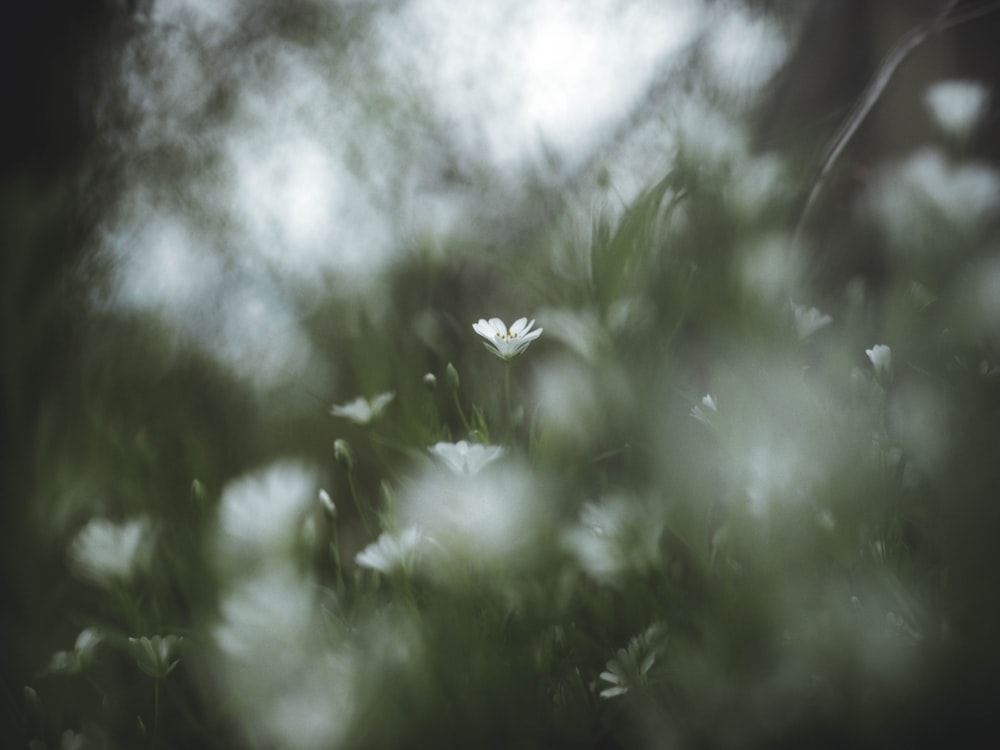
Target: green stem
(156, 710)
(335, 553)
(357, 502)
(461, 412)
(506, 394)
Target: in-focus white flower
(105, 552)
(155, 656)
(956, 106)
(392, 551)
(707, 401)
(463, 458)
(881, 358)
(808, 320)
(363, 410)
(505, 342)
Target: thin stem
(906, 44)
(156, 710)
(506, 394)
(461, 412)
(335, 554)
(357, 501)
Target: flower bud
(343, 453)
(451, 374)
(329, 508)
(430, 382)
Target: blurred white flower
(808, 320)
(881, 359)
(80, 657)
(629, 670)
(363, 410)
(463, 458)
(924, 202)
(504, 342)
(496, 518)
(273, 665)
(392, 552)
(70, 740)
(105, 552)
(613, 537)
(956, 106)
(260, 514)
(155, 655)
(708, 401)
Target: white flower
(956, 105)
(619, 535)
(495, 519)
(80, 657)
(463, 458)
(505, 342)
(808, 320)
(923, 202)
(362, 410)
(105, 552)
(881, 358)
(260, 514)
(275, 669)
(391, 552)
(630, 669)
(155, 656)
(708, 401)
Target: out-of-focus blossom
(808, 320)
(494, 519)
(465, 458)
(504, 342)
(956, 106)
(274, 666)
(616, 536)
(260, 514)
(70, 740)
(105, 553)
(362, 410)
(707, 401)
(392, 552)
(80, 657)
(925, 203)
(881, 359)
(155, 655)
(770, 268)
(629, 670)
